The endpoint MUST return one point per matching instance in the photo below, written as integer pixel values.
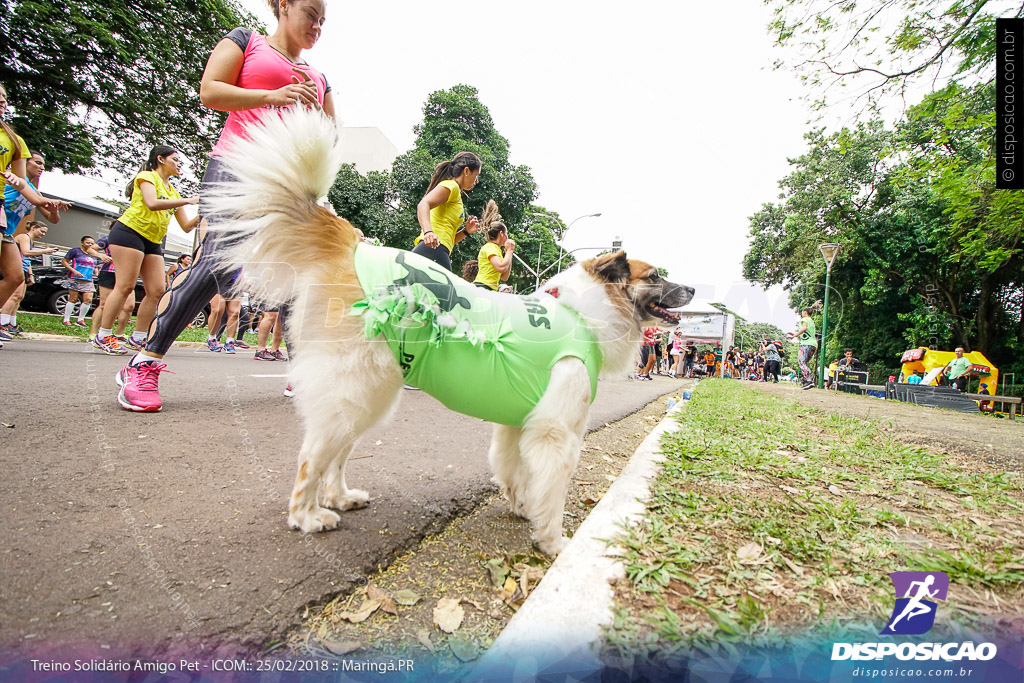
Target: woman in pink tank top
(246, 75)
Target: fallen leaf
(448, 614)
(464, 649)
(750, 551)
(364, 612)
(342, 647)
(424, 638)
(791, 490)
(835, 490)
(589, 501)
(386, 603)
(474, 603)
(498, 570)
(407, 598)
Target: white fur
(344, 383)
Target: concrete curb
(41, 336)
(562, 623)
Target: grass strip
(773, 520)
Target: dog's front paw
(552, 547)
(311, 521)
(352, 499)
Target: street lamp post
(560, 248)
(829, 252)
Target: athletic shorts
(105, 279)
(123, 236)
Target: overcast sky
(665, 117)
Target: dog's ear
(613, 267)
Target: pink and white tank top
(263, 68)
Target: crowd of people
(669, 353)
(246, 75)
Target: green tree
(455, 120)
(96, 83)
(931, 251)
(876, 49)
(369, 202)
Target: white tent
(699, 321)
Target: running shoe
(288, 391)
(229, 346)
(132, 344)
(213, 345)
(65, 322)
(239, 344)
(109, 345)
(81, 323)
(10, 330)
(4, 336)
(279, 356)
(16, 329)
(264, 355)
(139, 387)
(95, 341)
(808, 385)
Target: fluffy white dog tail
(270, 214)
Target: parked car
(48, 294)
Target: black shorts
(123, 236)
(105, 279)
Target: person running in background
(270, 321)
(9, 318)
(247, 75)
(648, 357)
(13, 155)
(442, 214)
(808, 344)
(105, 285)
(676, 352)
(181, 264)
(493, 266)
(19, 207)
(135, 243)
(81, 266)
(772, 360)
(231, 308)
(709, 362)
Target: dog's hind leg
(507, 465)
(550, 448)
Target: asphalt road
(142, 534)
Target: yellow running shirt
(7, 154)
(487, 273)
(446, 218)
(152, 225)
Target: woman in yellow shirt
(441, 212)
(135, 244)
(493, 267)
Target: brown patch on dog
(638, 270)
(302, 472)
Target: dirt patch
(483, 565)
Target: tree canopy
(96, 83)
(876, 49)
(932, 252)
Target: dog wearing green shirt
(364, 320)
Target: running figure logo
(914, 612)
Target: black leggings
(438, 254)
(191, 290)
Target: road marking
(285, 375)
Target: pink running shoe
(139, 390)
